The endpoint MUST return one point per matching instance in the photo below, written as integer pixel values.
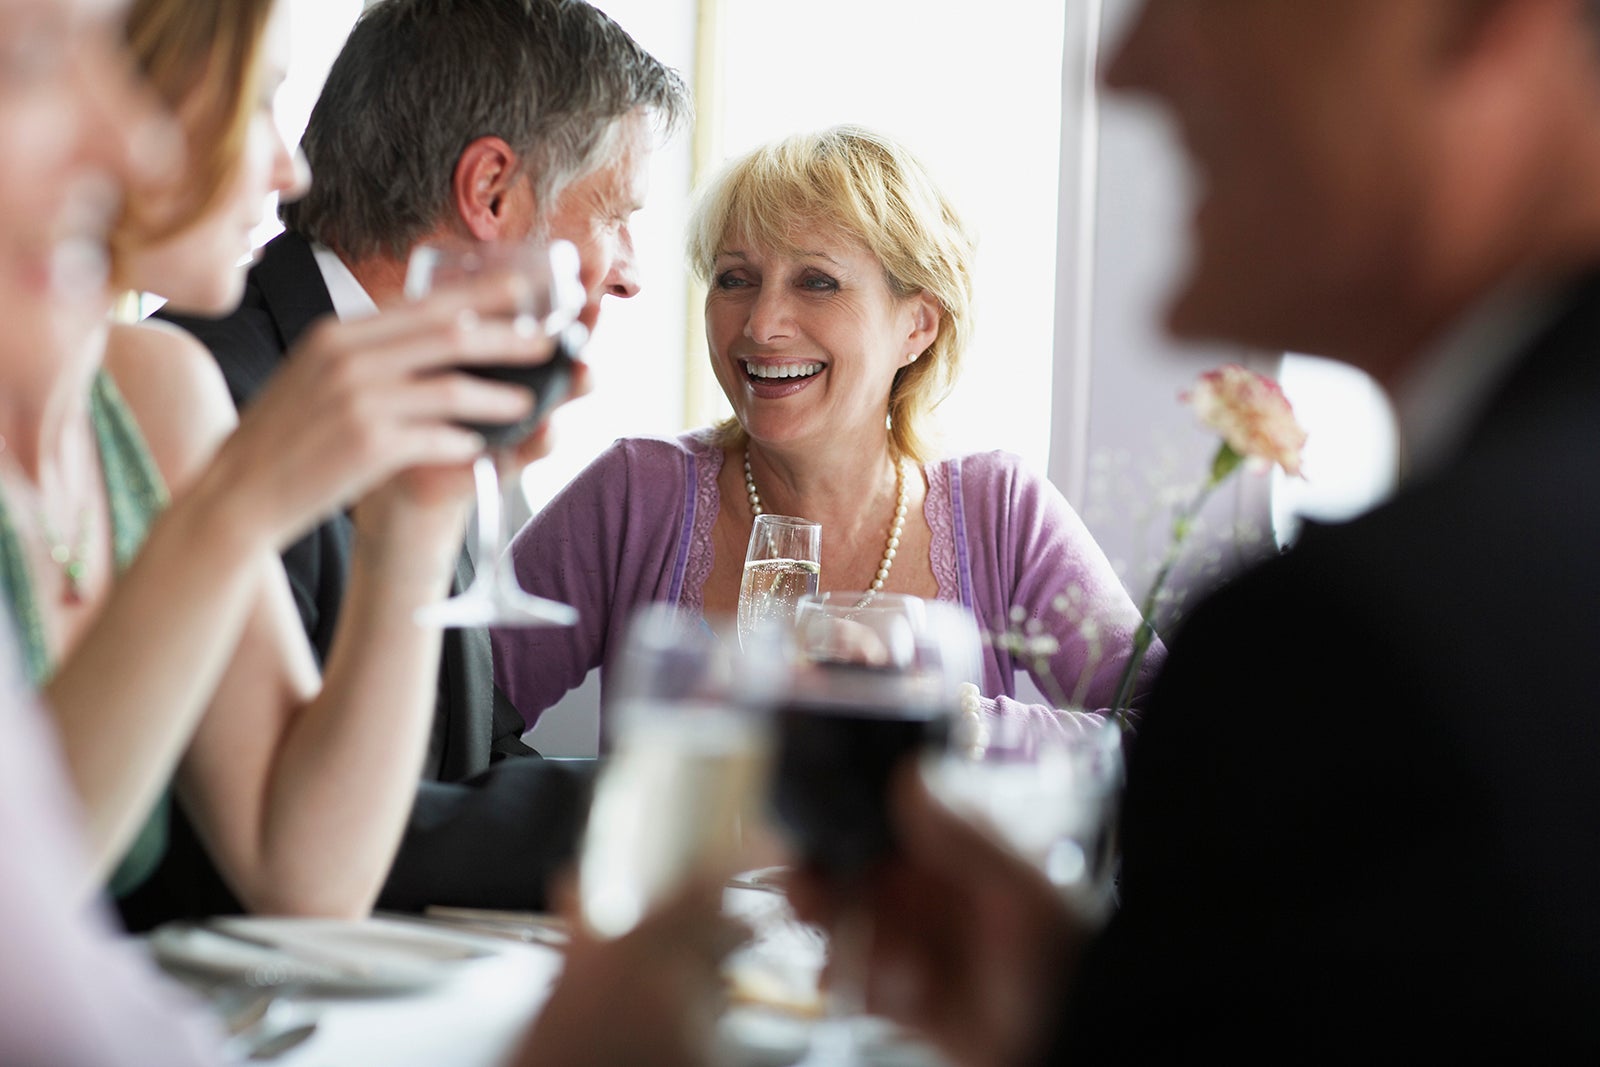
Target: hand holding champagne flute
(550, 298)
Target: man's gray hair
(420, 80)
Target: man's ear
(485, 175)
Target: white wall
(318, 29)
(636, 354)
(1123, 443)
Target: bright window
(1351, 456)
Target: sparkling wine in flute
(770, 590)
(782, 564)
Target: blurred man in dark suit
(1362, 811)
(448, 121)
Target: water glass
(686, 775)
(1046, 783)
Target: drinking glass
(1047, 784)
(687, 770)
(550, 304)
(782, 564)
(875, 681)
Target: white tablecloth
(475, 1017)
(479, 1010)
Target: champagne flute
(875, 681)
(551, 302)
(782, 564)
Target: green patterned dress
(135, 494)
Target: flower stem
(1224, 464)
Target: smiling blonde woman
(837, 316)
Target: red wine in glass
(550, 382)
(553, 298)
(831, 776)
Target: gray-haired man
(448, 121)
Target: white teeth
(783, 370)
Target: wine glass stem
(491, 532)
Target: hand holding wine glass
(550, 298)
(357, 403)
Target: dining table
(473, 1017)
(487, 976)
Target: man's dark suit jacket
(489, 841)
(1363, 812)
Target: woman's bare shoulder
(175, 391)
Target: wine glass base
(470, 610)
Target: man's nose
(622, 280)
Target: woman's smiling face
(72, 118)
(806, 342)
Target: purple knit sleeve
(606, 544)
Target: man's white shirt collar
(350, 300)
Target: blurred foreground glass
(874, 681)
(1048, 784)
(686, 776)
(550, 303)
(782, 564)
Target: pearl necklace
(895, 527)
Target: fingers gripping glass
(551, 302)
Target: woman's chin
(210, 301)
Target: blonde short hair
(864, 186)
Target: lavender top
(635, 527)
(70, 993)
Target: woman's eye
(819, 283)
(729, 280)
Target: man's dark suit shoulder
(1363, 801)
